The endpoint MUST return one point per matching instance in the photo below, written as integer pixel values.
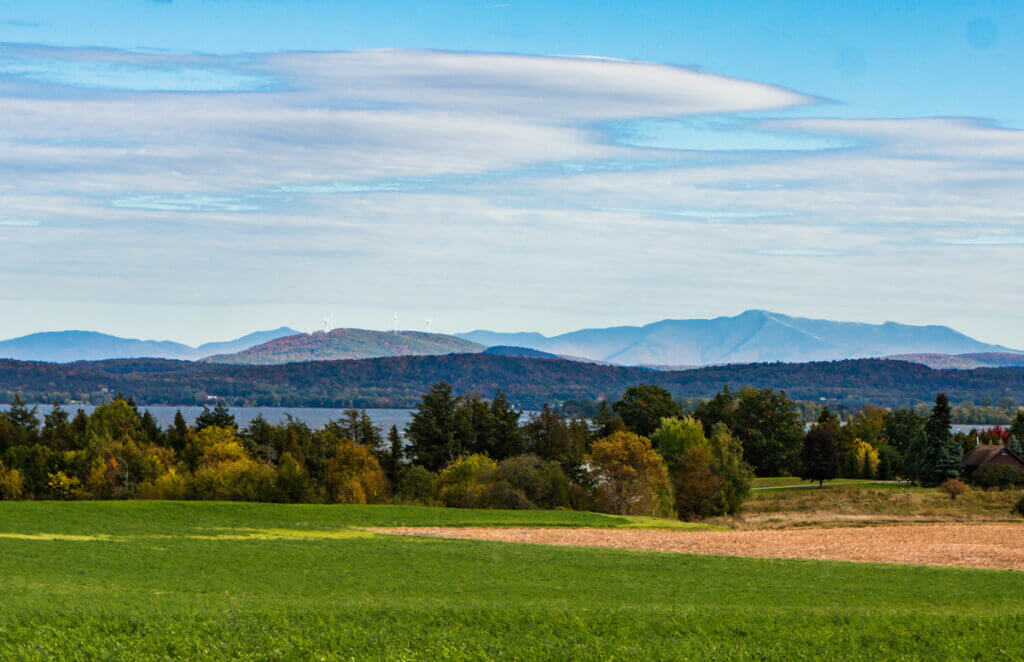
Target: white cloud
(487, 183)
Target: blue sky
(198, 169)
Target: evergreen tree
(79, 426)
(151, 428)
(57, 433)
(819, 455)
(357, 426)
(24, 419)
(177, 434)
(607, 422)
(391, 461)
(506, 437)
(1017, 433)
(220, 417)
(433, 441)
(548, 437)
(942, 456)
(827, 419)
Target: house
(991, 454)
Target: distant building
(991, 454)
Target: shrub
(292, 481)
(464, 480)
(354, 475)
(63, 487)
(953, 487)
(171, 485)
(542, 483)
(12, 484)
(225, 471)
(997, 475)
(504, 495)
(630, 477)
(1018, 508)
(416, 484)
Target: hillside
(753, 336)
(400, 381)
(963, 361)
(342, 344)
(68, 346)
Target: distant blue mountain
(751, 337)
(68, 346)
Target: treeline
(642, 454)
(903, 443)
(528, 382)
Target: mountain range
(755, 336)
(68, 346)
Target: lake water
(314, 417)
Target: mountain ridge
(76, 345)
(347, 344)
(753, 336)
(528, 382)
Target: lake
(314, 417)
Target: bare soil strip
(966, 545)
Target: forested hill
(344, 344)
(400, 381)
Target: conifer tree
(392, 460)
(1017, 433)
(506, 437)
(942, 456)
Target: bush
(1018, 508)
(464, 481)
(354, 475)
(170, 486)
(11, 483)
(416, 484)
(224, 470)
(504, 495)
(542, 483)
(953, 487)
(997, 475)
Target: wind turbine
(396, 322)
(328, 323)
(428, 321)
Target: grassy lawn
(157, 580)
(780, 482)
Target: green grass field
(158, 580)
